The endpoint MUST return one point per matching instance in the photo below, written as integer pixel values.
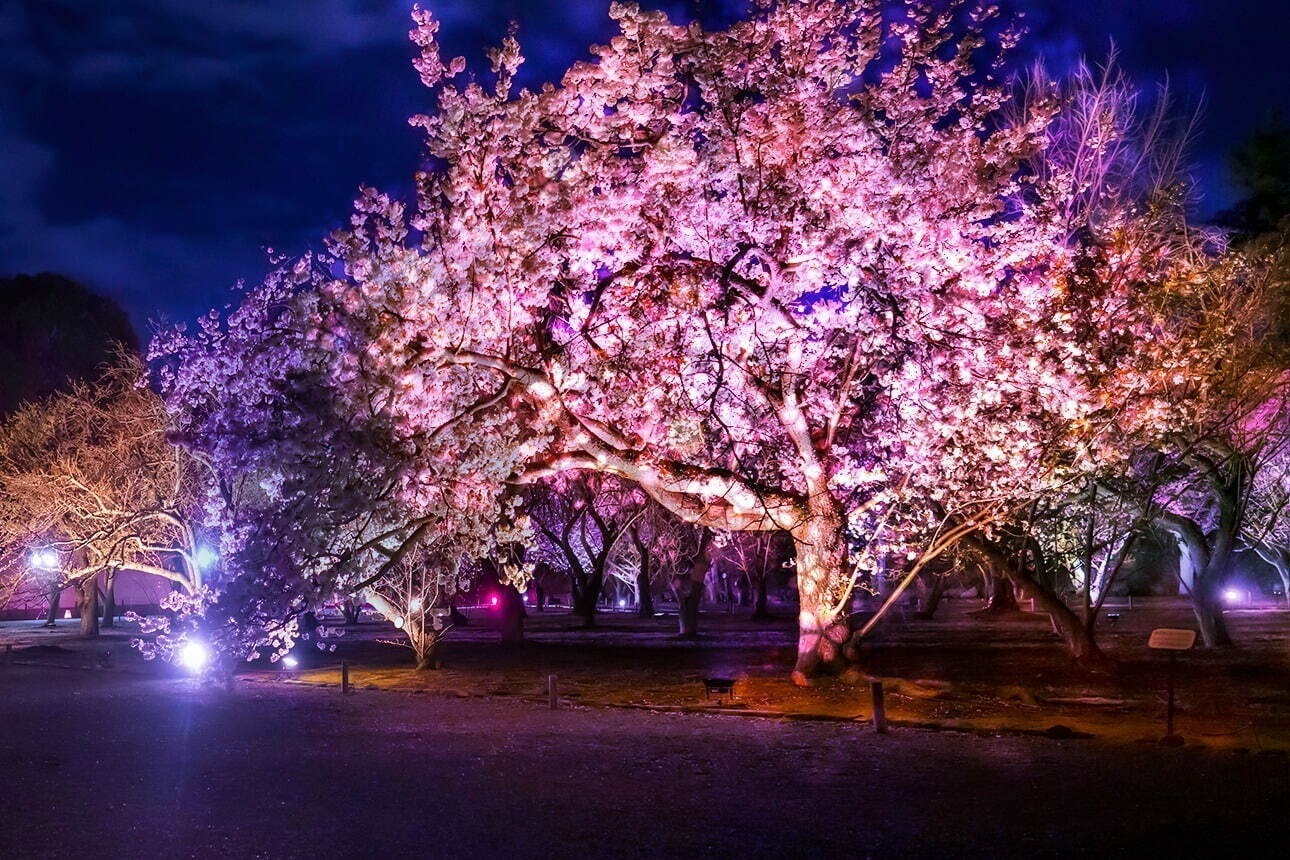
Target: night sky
(154, 148)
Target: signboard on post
(1171, 639)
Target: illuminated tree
(762, 272)
(320, 489)
(91, 484)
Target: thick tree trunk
(1207, 606)
(644, 596)
(689, 587)
(1200, 571)
(930, 598)
(512, 615)
(109, 601)
(89, 607)
(55, 597)
(586, 598)
(1003, 597)
(823, 589)
(689, 596)
(427, 652)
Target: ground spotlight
(194, 657)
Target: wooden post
(553, 692)
(1169, 714)
(8, 652)
(344, 676)
(879, 708)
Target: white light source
(622, 603)
(398, 622)
(414, 605)
(290, 662)
(1232, 595)
(205, 557)
(44, 559)
(194, 656)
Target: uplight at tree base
(194, 657)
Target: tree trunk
(55, 596)
(512, 615)
(930, 599)
(1003, 597)
(352, 610)
(760, 613)
(1279, 558)
(644, 596)
(109, 601)
(586, 596)
(1207, 606)
(89, 606)
(689, 587)
(822, 578)
(1079, 641)
(689, 595)
(1200, 570)
(427, 652)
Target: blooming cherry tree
(765, 273)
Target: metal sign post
(1173, 640)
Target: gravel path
(97, 764)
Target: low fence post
(879, 708)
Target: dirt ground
(958, 672)
(126, 764)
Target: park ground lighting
(206, 557)
(1233, 596)
(290, 662)
(44, 559)
(194, 657)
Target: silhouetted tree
(53, 330)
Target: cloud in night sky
(153, 148)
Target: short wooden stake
(879, 708)
(553, 691)
(344, 676)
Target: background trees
(54, 331)
(91, 483)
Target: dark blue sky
(154, 148)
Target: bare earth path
(102, 764)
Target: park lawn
(959, 672)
